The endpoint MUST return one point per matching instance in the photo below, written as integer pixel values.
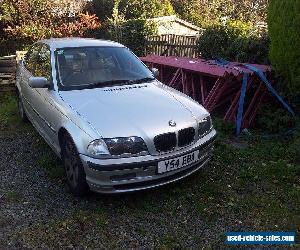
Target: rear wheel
(73, 167)
(21, 109)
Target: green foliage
(147, 8)
(235, 41)
(273, 119)
(284, 30)
(8, 111)
(9, 46)
(135, 33)
(25, 21)
(9, 115)
(208, 13)
(131, 33)
(103, 8)
(133, 9)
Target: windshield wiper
(122, 82)
(110, 83)
(145, 79)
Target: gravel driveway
(34, 206)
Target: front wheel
(73, 168)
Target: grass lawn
(251, 184)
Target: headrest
(80, 56)
(96, 64)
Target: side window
(31, 58)
(43, 65)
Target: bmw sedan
(115, 127)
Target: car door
(38, 64)
(44, 97)
(26, 71)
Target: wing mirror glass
(155, 72)
(38, 82)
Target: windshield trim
(62, 87)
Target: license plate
(177, 163)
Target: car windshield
(94, 67)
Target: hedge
(284, 30)
(238, 42)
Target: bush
(25, 21)
(146, 8)
(272, 118)
(206, 13)
(135, 33)
(131, 33)
(133, 9)
(284, 30)
(235, 41)
(9, 46)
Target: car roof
(58, 43)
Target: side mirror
(155, 72)
(38, 82)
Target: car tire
(73, 166)
(21, 109)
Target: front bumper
(138, 173)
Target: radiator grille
(165, 142)
(168, 142)
(186, 137)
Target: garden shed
(167, 25)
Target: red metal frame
(214, 86)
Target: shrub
(25, 21)
(284, 30)
(206, 13)
(133, 9)
(235, 41)
(9, 46)
(135, 33)
(146, 8)
(131, 33)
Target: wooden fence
(172, 45)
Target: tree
(133, 9)
(115, 23)
(103, 8)
(206, 13)
(38, 19)
(131, 33)
(284, 31)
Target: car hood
(143, 110)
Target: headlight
(97, 148)
(205, 126)
(126, 145)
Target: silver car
(115, 127)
